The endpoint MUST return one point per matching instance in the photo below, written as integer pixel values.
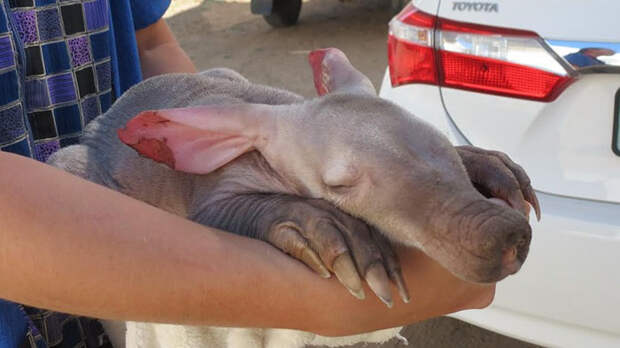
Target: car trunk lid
(568, 143)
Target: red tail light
(410, 48)
(516, 63)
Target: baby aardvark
(326, 180)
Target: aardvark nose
(516, 247)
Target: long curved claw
(378, 281)
(495, 172)
(531, 197)
(392, 265)
(310, 258)
(287, 237)
(402, 287)
(345, 271)
(517, 201)
(524, 181)
(327, 239)
(371, 255)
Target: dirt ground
(218, 33)
(225, 34)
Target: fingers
(496, 173)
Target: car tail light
(410, 48)
(426, 49)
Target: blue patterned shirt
(62, 63)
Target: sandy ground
(226, 34)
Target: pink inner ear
(167, 137)
(319, 70)
(333, 72)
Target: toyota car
(539, 80)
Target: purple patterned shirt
(62, 62)
(65, 75)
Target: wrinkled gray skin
(352, 150)
(246, 197)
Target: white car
(539, 80)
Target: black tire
(284, 13)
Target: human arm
(70, 245)
(160, 52)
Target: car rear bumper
(568, 292)
(537, 330)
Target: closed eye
(340, 189)
(341, 177)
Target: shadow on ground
(449, 333)
(226, 34)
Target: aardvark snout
(491, 240)
(511, 235)
(515, 250)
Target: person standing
(63, 63)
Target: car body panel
(566, 294)
(565, 145)
(429, 6)
(537, 330)
(557, 279)
(551, 19)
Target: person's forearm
(73, 246)
(160, 52)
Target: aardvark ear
(333, 73)
(199, 139)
